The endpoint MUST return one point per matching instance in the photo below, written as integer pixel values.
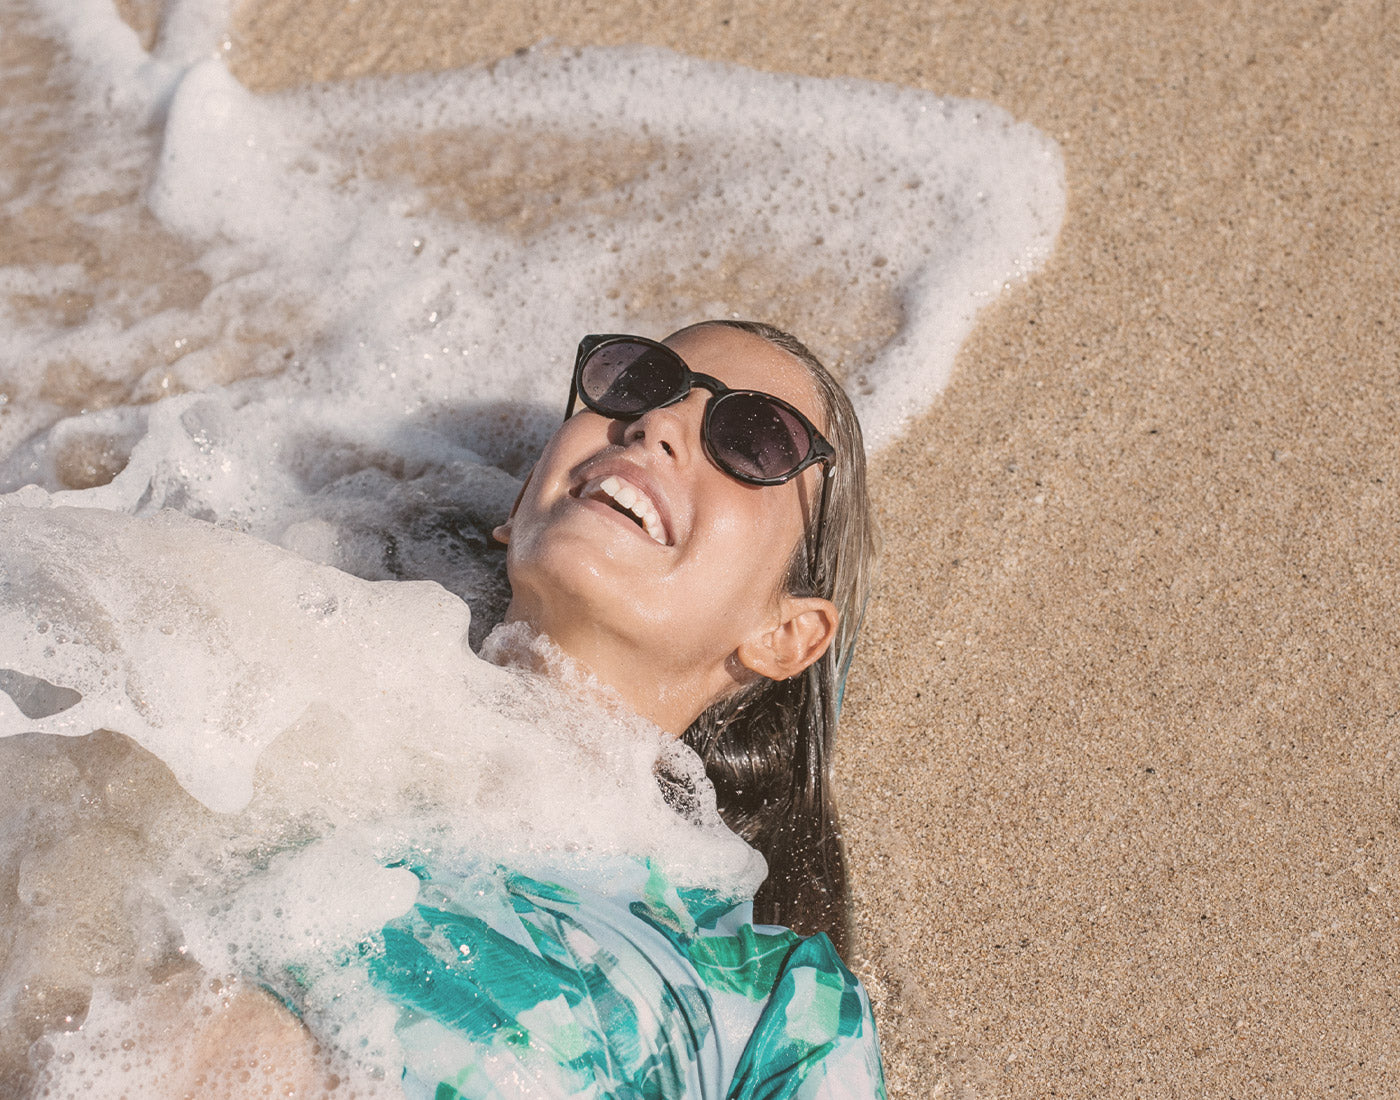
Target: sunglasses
(752, 436)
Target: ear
(804, 628)
(502, 532)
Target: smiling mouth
(626, 499)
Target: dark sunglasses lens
(627, 379)
(755, 437)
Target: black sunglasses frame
(819, 450)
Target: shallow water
(261, 353)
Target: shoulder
(816, 1035)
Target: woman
(697, 539)
(799, 578)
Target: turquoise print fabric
(513, 986)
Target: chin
(566, 573)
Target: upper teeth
(637, 503)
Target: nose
(674, 429)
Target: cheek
(754, 536)
(525, 524)
(550, 475)
(777, 523)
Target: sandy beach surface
(1119, 766)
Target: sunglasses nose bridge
(700, 381)
(674, 427)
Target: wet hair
(767, 747)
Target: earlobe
(805, 627)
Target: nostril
(668, 448)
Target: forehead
(743, 361)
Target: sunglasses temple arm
(827, 472)
(573, 396)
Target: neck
(669, 697)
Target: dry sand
(1119, 770)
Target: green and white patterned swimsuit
(510, 986)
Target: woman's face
(640, 556)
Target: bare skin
(252, 1046)
(235, 1043)
(671, 627)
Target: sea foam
(272, 367)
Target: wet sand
(1119, 770)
